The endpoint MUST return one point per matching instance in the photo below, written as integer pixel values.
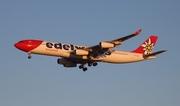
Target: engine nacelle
(66, 63)
(81, 52)
(106, 45)
(70, 65)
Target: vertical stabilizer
(148, 46)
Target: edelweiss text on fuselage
(63, 46)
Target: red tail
(148, 46)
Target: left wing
(103, 47)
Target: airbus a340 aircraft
(71, 55)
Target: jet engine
(66, 63)
(81, 52)
(106, 45)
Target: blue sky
(42, 82)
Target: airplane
(71, 54)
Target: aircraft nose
(16, 45)
(19, 45)
(27, 45)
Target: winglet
(138, 32)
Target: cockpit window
(21, 42)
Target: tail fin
(148, 46)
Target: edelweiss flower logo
(148, 46)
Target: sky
(40, 81)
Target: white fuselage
(66, 51)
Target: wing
(103, 47)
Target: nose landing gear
(29, 56)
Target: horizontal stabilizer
(154, 54)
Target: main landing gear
(82, 67)
(89, 64)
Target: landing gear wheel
(29, 57)
(81, 66)
(95, 64)
(89, 64)
(84, 69)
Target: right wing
(97, 50)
